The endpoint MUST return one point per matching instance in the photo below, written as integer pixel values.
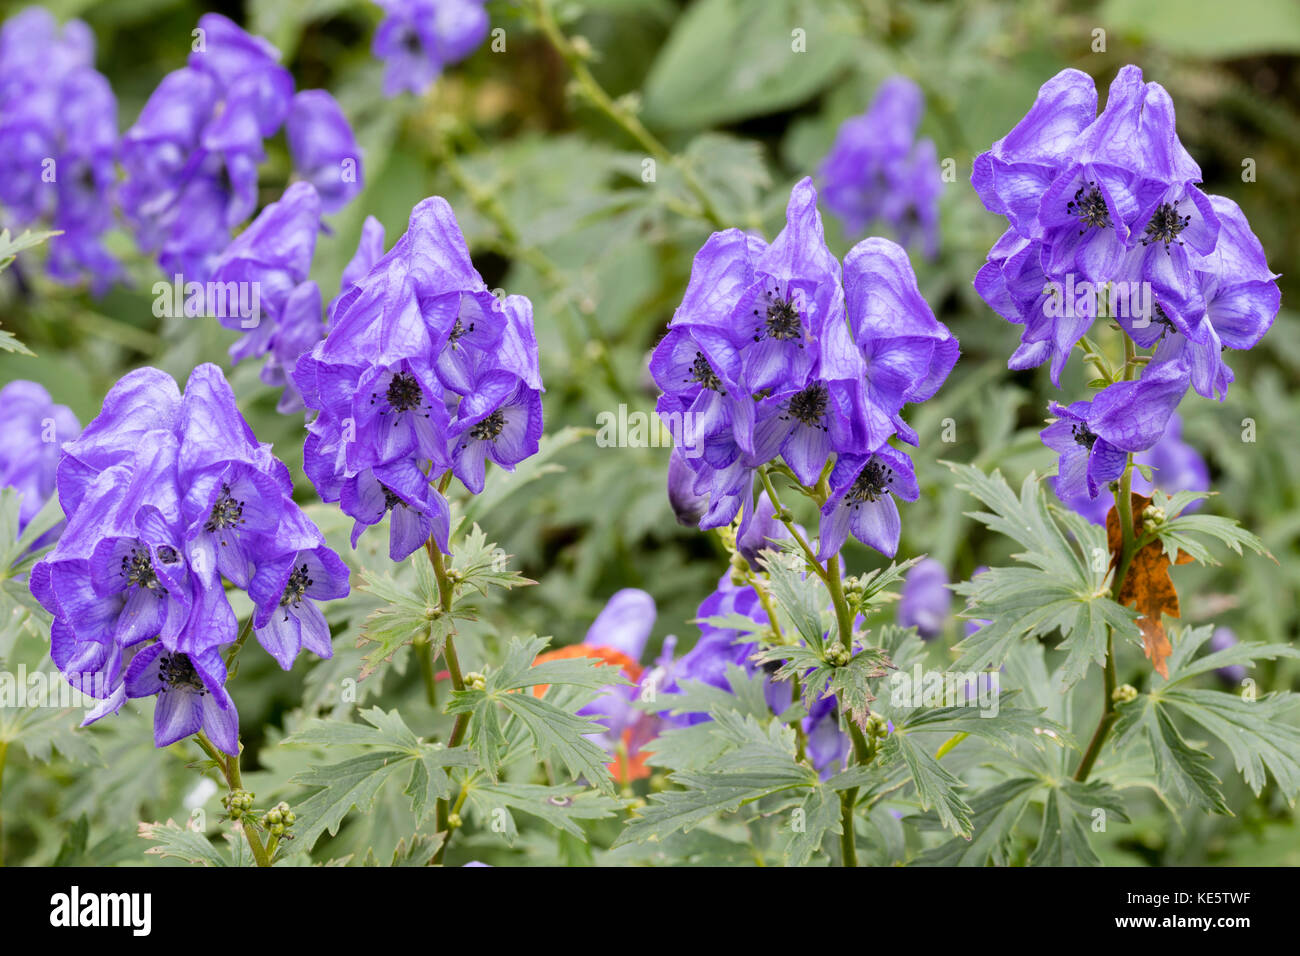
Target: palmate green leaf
(1260, 733)
(698, 746)
(935, 786)
(172, 841)
(482, 565)
(10, 245)
(851, 684)
(412, 612)
(801, 596)
(1188, 641)
(1063, 589)
(817, 817)
(995, 813)
(1068, 816)
(756, 761)
(1181, 769)
(563, 807)
(555, 731)
(1003, 729)
(1188, 533)
(392, 750)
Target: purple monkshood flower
(775, 351)
(876, 170)
(1222, 639)
(687, 506)
(1176, 466)
(863, 488)
(58, 142)
(761, 533)
(166, 494)
(191, 695)
(418, 38)
(192, 157)
(423, 371)
(1098, 199)
(284, 591)
(324, 151)
(32, 432)
(1094, 438)
(925, 600)
(1240, 297)
(268, 264)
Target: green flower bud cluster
(237, 803)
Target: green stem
(620, 115)
(1124, 513)
(239, 642)
(234, 781)
(446, 597)
(848, 835)
(424, 654)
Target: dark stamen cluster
(1083, 435)
(872, 484)
(809, 406)
(1165, 225)
(391, 498)
(702, 372)
(176, 670)
(1089, 205)
(137, 568)
(489, 428)
(1163, 319)
(227, 511)
(299, 581)
(781, 321)
(404, 392)
(458, 331)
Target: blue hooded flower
(32, 432)
(418, 38)
(1094, 438)
(323, 148)
(877, 170)
(1222, 639)
(167, 494)
(423, 370)
(191, 695)
(58, 142)
(863, 489)
(925, 600)
(1176, 466)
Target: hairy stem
(618, 113)
(229, 767)
(1124, 512)
(446, 596)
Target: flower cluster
(877, 170)
(32, 431)
(273, 255)
(192, 157)
(417, 38)
(1106, 220)
(776, 350)
(424, 373)
(58, 141)
(166, 495)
